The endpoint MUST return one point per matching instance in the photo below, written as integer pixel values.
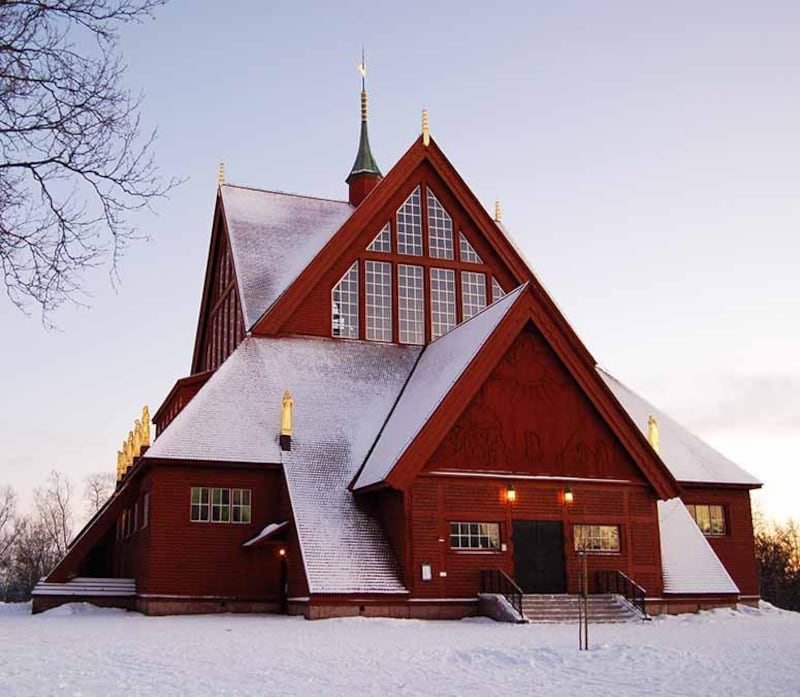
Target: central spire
(365, 173)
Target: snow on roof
(274, 236)
(442, 362)
(267, 532)
(689, 564)
(687, 457)
(343, 392)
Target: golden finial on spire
(362, 68)
(426, 129)
(498, 212)
(221, 173)
(652, 433)
(145, 426)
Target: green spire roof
(365, 162)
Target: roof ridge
(285, 193)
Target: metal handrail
(498, 582)
(617, 582)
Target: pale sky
(647, 157)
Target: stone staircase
(564, 608)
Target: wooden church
(388, 415)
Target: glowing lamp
(282, 552)
(568, 497)
(511, 494)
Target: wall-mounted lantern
(511, 494)
(568, 496)
(282, 552)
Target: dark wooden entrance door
(539, 556)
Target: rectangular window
(440, 230)
(135, 524)
(221, 505)
(709, 518)
(596, 538)
(475, 536)
(201, 503)
(146, 510)
(411, 304)
(344, 305)
(409, 225)
(443, 301)
(240, 509)
(379, 300)
(473, 293)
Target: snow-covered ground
(80, 650)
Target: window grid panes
(497, 290)
(344, 305)
(467, 251)
(596, 538)
(475, 535)
(473, 293)
(440, 230)
(409, 225)
(240, 505)
(443, 301)
(379, 300)
(710, 519)
(411, 304)
(383, 240)
(201, 501)
(220, 505)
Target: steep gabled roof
(442, 363)
(343, 392)
(689, 564)
(690, 459)
(274, 236)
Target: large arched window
(417, 279)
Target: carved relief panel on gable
(531, 417)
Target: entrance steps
(603, 609)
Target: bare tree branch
(97, 488)
(73, 160)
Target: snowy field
(79, 650)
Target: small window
(709, 518)
(596, 538)
(410, 304)
(440, 230)
(344, 305)
(221, 505)
(467, 251)
(135, 525)
(383, 240)
(409, 225)
(240, 509)
(497, 290)
(379, 300)
(443, 301)
(201, 500)
(146, 510)
(475, 536)
(473, 293)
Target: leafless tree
(53, 503)
(97, 488)
(8, 535)
(34, 556)
(73, 160)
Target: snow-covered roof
(687, 457)
(442, 362)
(689, 564)
(273, 237)
(343, 392)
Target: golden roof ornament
(145, 426)
(426, 129)
(221, 173)
(362, 69)
(498, 212)
(286, 414)
(137, 438)
(652, 433)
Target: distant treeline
(778, 560)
